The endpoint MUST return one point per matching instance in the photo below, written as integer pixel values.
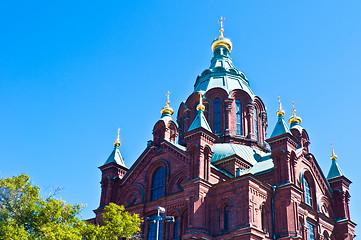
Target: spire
(115, 156)
(335, 170)
(294, 119)
(221, 41)
(167, 110)
(281, 126)
(200, 120)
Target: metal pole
(158, 219)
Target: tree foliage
(25, 214)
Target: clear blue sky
(71, 73)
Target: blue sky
(71, 73)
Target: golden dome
(221, 41)
(294, 118)
(167, 108)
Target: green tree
(25, 214)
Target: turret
(165, 128)
(113, 170)
(282, 144)
(298, 131)
(199, 139)
(340, 186)
(339, 183)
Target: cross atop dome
(221, 29)
(221, 41)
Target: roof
(224, 150)
(280, 128)
(200, 121)
(115, 157)
(261, 161)
(263, 166)
(335, 170)
(297, 125)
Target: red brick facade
(229, 185)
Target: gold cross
(221, 21)
(293, 105)
(168, 93)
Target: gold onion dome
(333, 155)
(294, 118)
(221, 41)
(167, 108)
(280, 111)
(117, 141)
(200, 106)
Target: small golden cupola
(167, 110)
(294, 119)
(221, 41)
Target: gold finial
(294, 118)
(333, 155)
(168, 93)
(221, 30)
(117, 141)
(294, 109)
(200, 106)
(280, 111)
(221, 41)
(167, 109)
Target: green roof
(280, 128)
(200, 121)
(224, 150)
(222, 74)
(335, 170)
(115, 157)
(296, 125)
(265, 165)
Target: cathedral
(213, 169)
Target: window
(264, 218)
(157, 190)
(226, 217)
(152, 233)
(238, 117)
(310, 231)
(216, 115)
(308, 197)
(255, 118)
(175, 228)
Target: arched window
(157, 190)
(152, 232)
(217, 115)
(184, 222)
(255, 118)
(226, 217)
(238, 117)
(310, 231)
(306, 188)
(264, 218)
